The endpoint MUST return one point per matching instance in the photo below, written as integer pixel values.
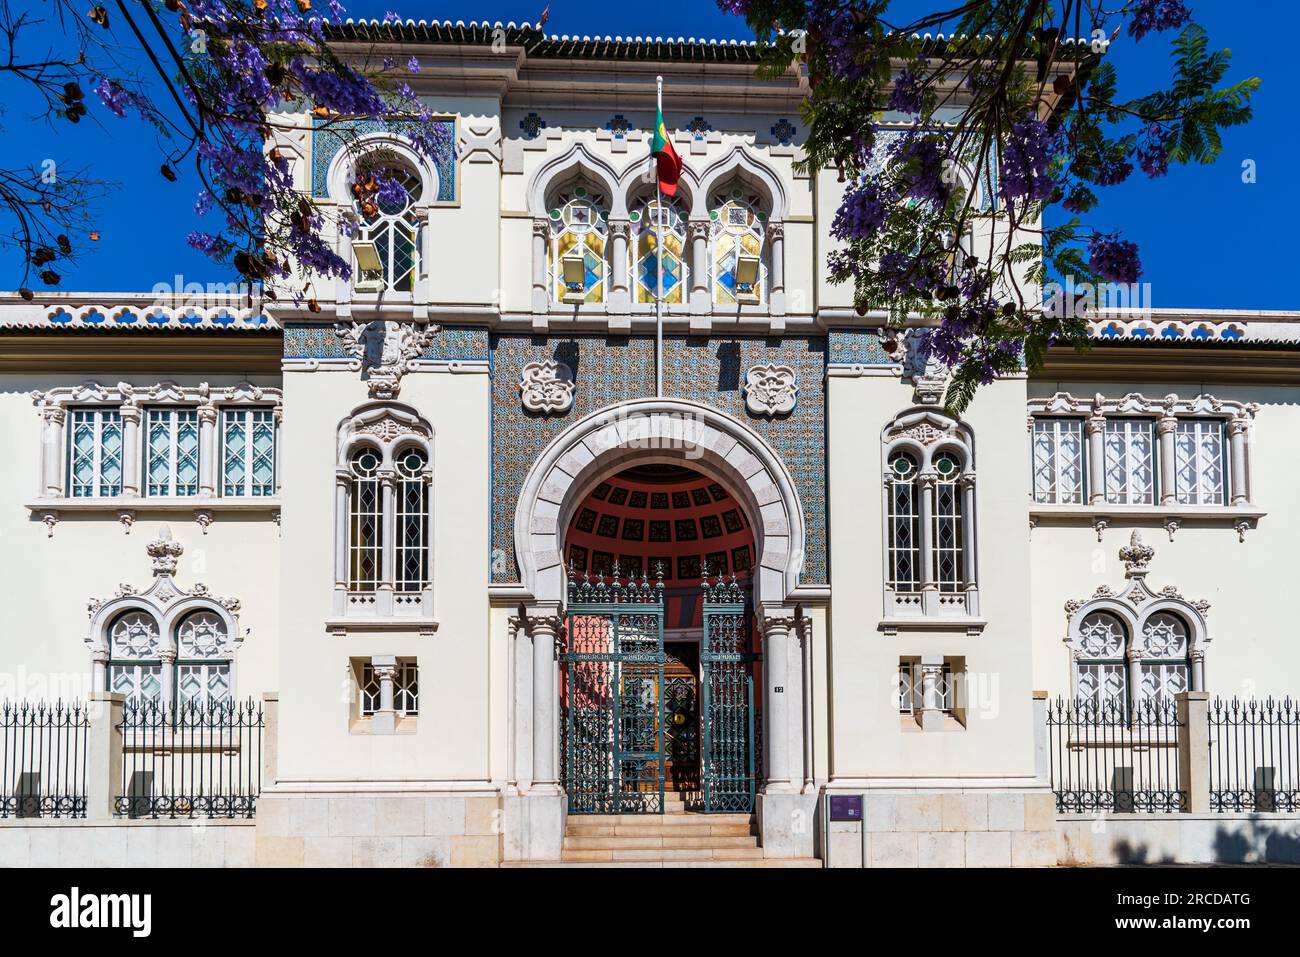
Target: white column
(966, 485)
(208, 450)
(620, 297)
(131, 458)
(546, 702)
(1167, 426)
(777, 623)
(1198, 669)
(1134, 679)
(701, 299)
(805, 646)
(541, 290)
(388, 553)
(385, 719)
(348, 225)
(52, 451)
(931, 700)
(776, 268)
(168, 658)
(925, 486)
(341, 482)
(423, 292)
(277, 418)
(1237, 451)
(1096, 459)
(99, 670)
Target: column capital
(620, 228)
(1167, 424)
(541, 227)
(1096, 423)
(699, 228)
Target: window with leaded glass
(904, 573)
(949, 573)
(579, 228)
(202, 666)
(655, 221)
(135, 648)
(389, 221)
(1130, 461)
(172, 451)
(911, 687)
(1101, 675)
(412, 521)
(406, 689)
(248, 452)
(1058, 455)
(1164, 668)
(1200, 462)
(94, 453)
(737, 221)
(365, 522)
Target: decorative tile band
(317, 340)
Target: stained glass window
(579, 226)
(1058, 461)
(365, 522)
(248, 452)
(653, 219)
(393, 226)
(738, 223)
(948, 545)
(1130, 461)
(172, 452)
(1200, 463)
(95, 453)
(412, 521)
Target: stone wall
(401, 829)
(948, 829)
(126, 843)
(1111, 839)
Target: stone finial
(1136, 556)
(165, 552)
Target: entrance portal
(658, 662)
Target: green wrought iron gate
(728, 774)
(613, 673)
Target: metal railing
(191, 760)
(1106, 757)
(1254, 755)
(43, 759)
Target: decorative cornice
(1135, 403)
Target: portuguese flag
(669, 163)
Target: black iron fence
(44, 761)
(1107, 757)
(191, 760)
(1254, 754)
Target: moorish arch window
(202, 662)
(135, 652)
(654, 221)
(383, 566)
(929, 510)
(389, 227)
(579, 230)
(1136, 647)
(738, 222)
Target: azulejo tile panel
(609, 370)
(318, 340)
(857, 347)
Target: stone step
(748, 862)
(686, 819)
(576, 842)
(662, 854)
(658, 830)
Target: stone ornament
(385, 348)
(547, 387)
(770, 390)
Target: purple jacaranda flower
(1025, 159)
(860, 215)
(1114, 259)
(1153, 150)
(1156, 15)
(906, 95)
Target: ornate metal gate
(727, 676)
(613, 673)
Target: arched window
(929, 511)
(738, 221)
(1101, 666)
(202, 660)
(651, 219)
(1165, 668)
(365, 522)
(383, 543)
(388, 221)
(135, 652)
(412, 520)
(579, 229)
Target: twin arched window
(190, 667)
(1111, 671)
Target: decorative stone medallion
(385, 349)
(770, 390)
(547, 387)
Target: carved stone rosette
(385, 349)
(770, 390)
(547, 387)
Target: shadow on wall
(1248, 839)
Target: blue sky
(1208, 240)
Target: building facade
(489, 578)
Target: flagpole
(659, 255)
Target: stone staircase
(677, 838)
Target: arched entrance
(657, 669)
(720, 449)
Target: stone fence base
(1113, 839)
(64, 842)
